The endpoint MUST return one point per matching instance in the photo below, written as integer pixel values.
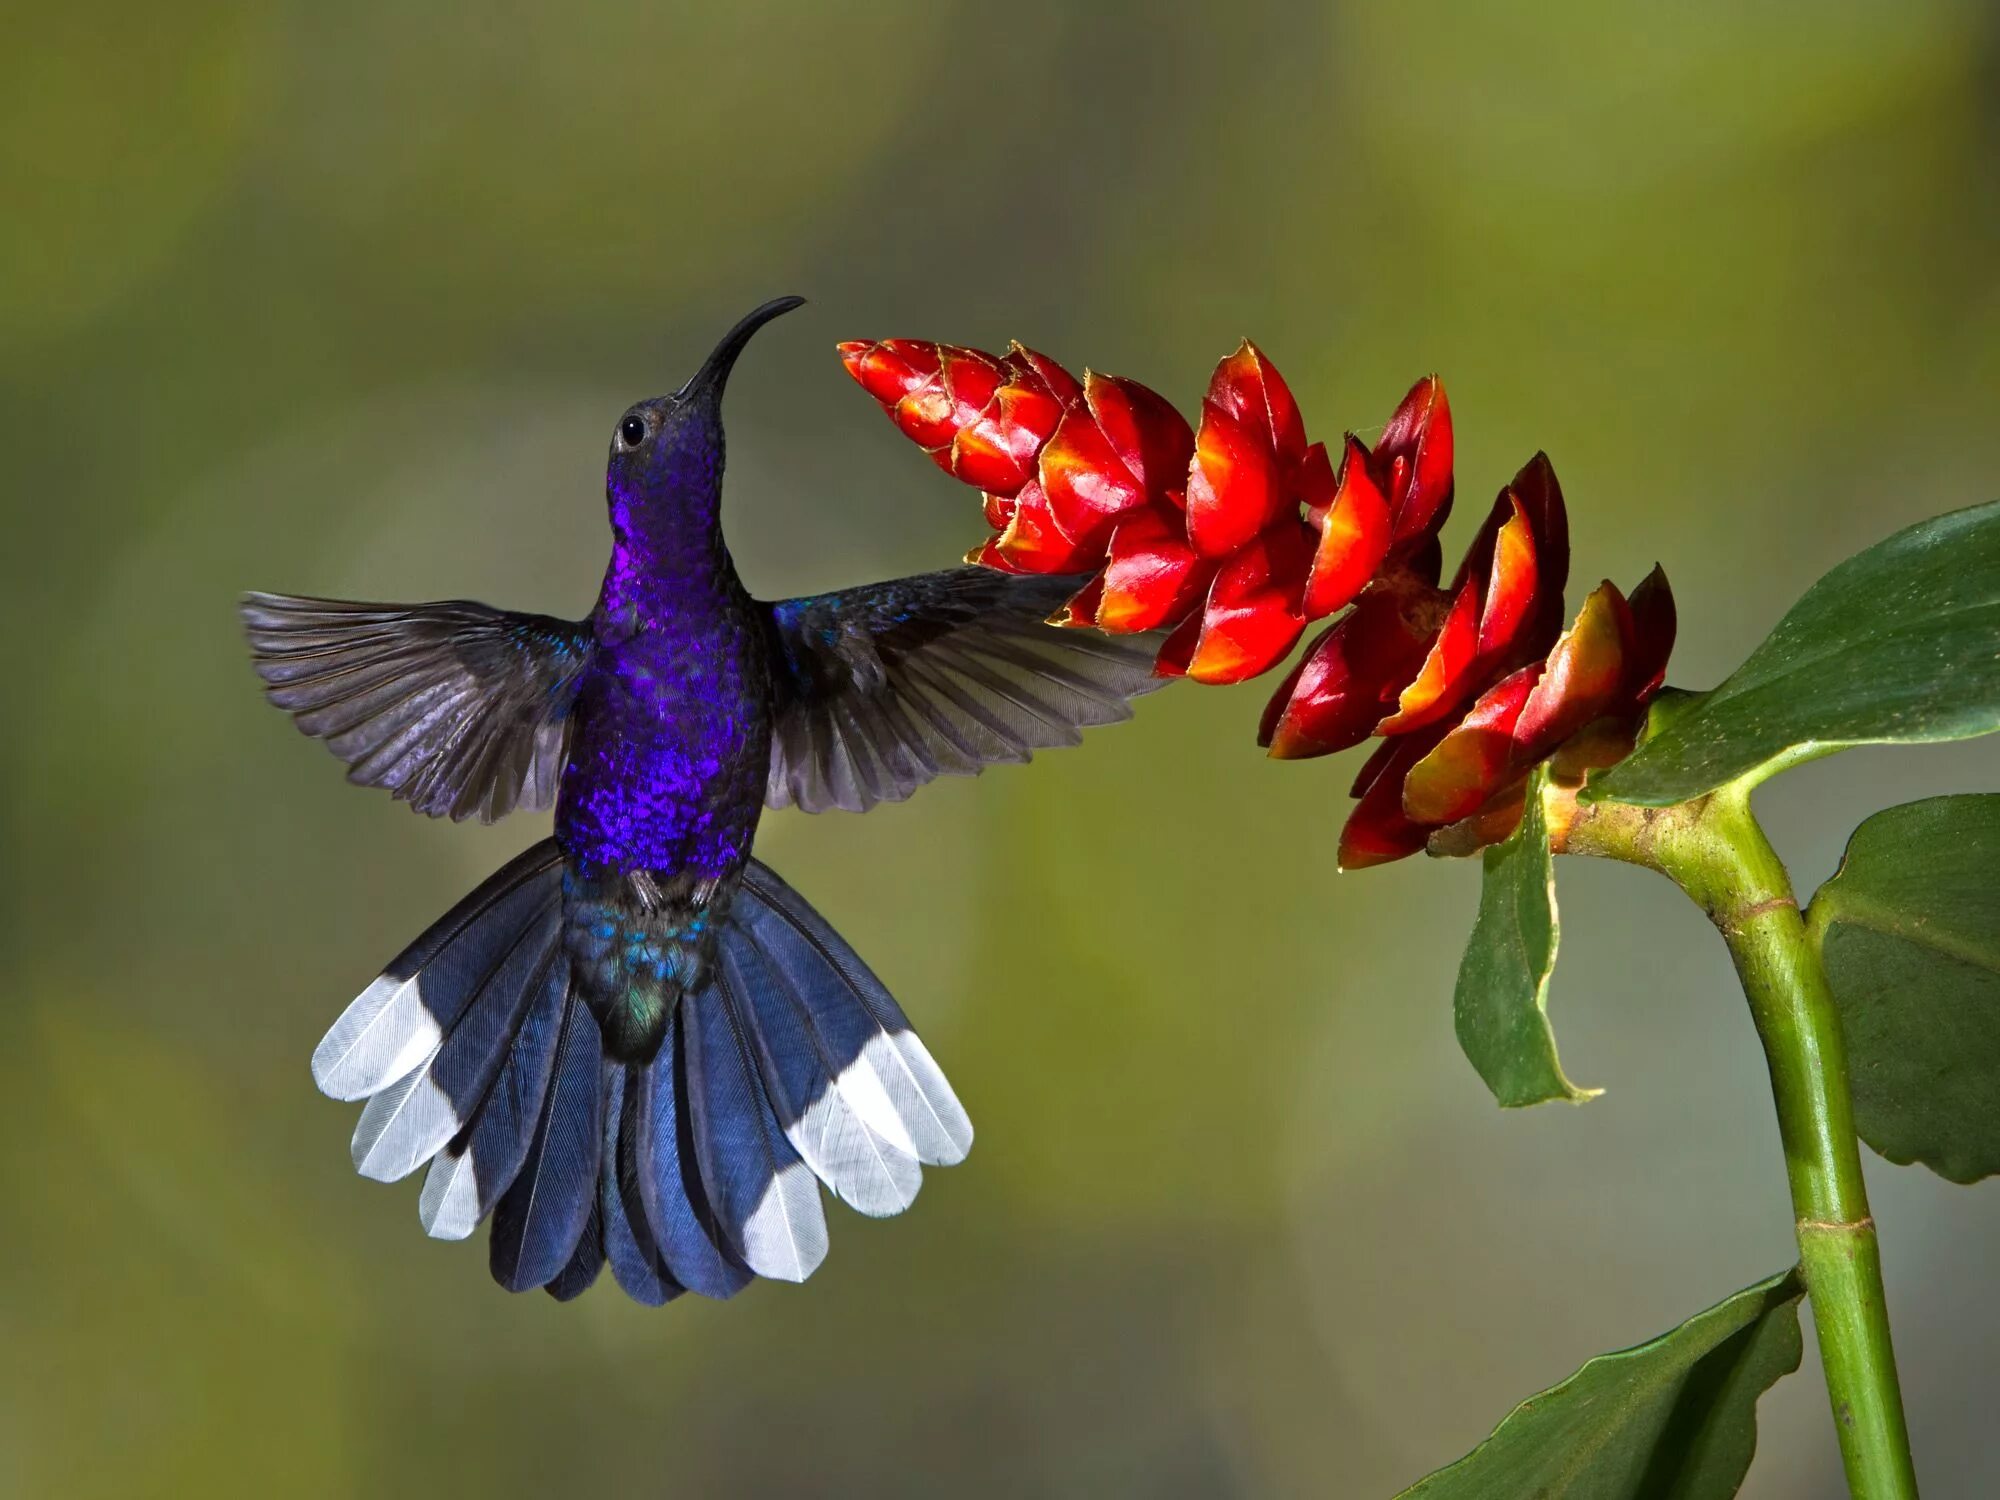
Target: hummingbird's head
(668, 451)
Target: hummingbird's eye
(632, 431)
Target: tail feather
(697, 1169)
(407, 1124)
(393, 1024)
(896, 1086)
(766, 1199)
(467, 1178)
(538, 1221)
(878, 1175)
(585, 1263)
(676, 1203)
(637, 1263)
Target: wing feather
(884, 688)
(456, 708)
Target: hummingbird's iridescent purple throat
(635, 1044)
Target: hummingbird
(635, 1043)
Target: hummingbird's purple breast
(670, 744)
(669, 755)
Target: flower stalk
(1715, 851)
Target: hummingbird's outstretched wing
(459, 709)
(883, 688)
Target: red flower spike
(1153, 577)
(1475, 756)
(1446, 672)
(1150, 438)
(1378, 831)
(1585, 672)
(1232, 486)
(1033, 543)
(998, 449)
(1235, 536)
(1250, 389)
(1252, 620)
(1353, 536)
(1412, 460)
(1350, 676)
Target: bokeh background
(346, 299)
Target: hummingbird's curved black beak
(714, 373)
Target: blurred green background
(346, 299)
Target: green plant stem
(1714, 850)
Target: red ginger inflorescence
(1229, 537)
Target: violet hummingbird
(635, 1043)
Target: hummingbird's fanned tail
(698, 1168)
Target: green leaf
(1909, 931)
(1898, 644)
(1675, 1419)
(1501, 1005)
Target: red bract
(1412, 463)
(1030, 540)
(1355, 525)
(1246, 454)
(1122, 449)
(1251, 480)
(1153, 575)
